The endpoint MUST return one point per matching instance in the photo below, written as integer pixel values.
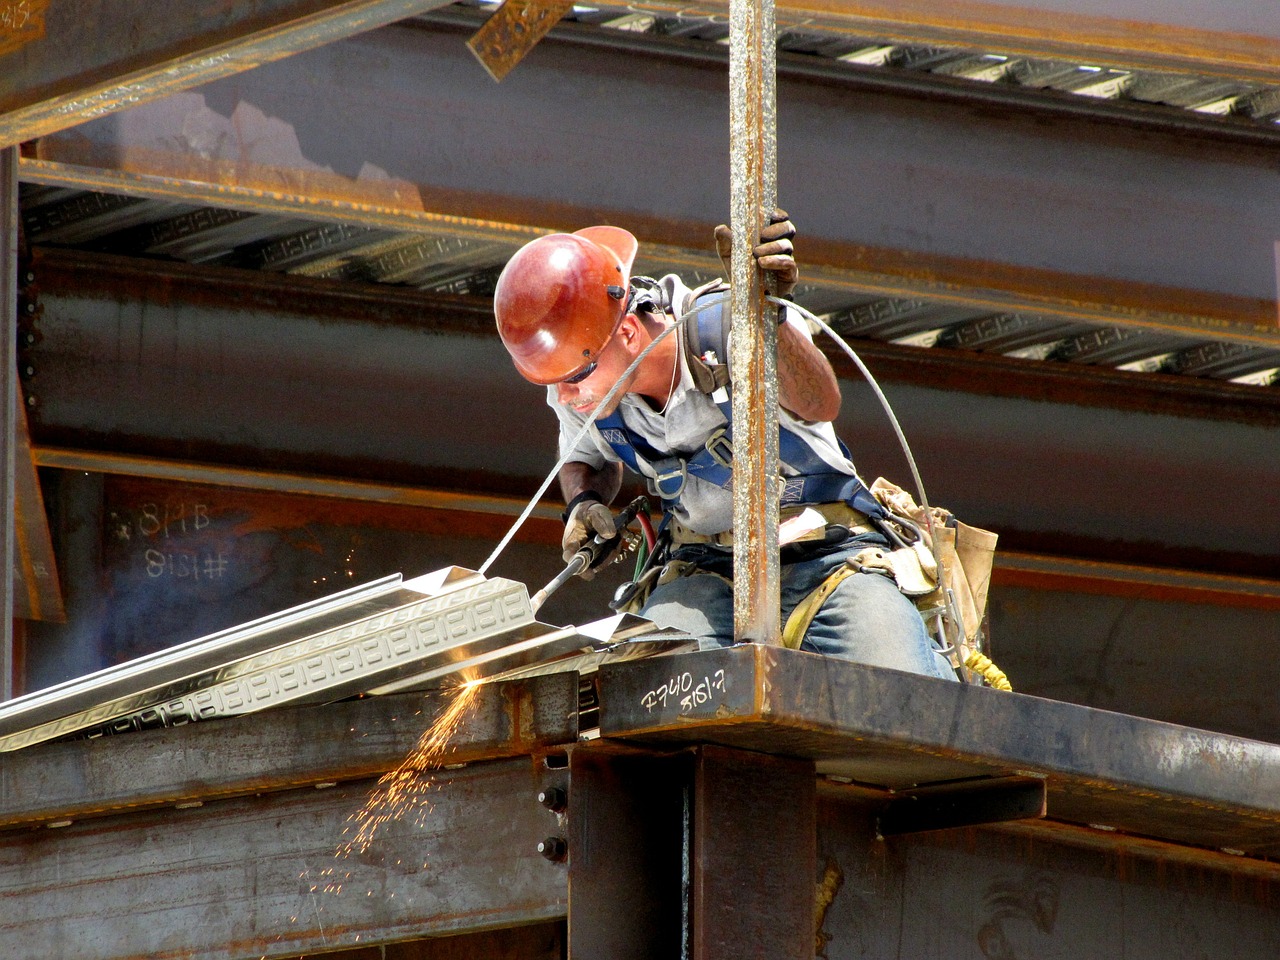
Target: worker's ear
(630, 334)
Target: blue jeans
(866, 619)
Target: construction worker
(574, 319)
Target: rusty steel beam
(1228, 38)
(1038, 425)
(63, 66)
(1013, 568)
(37, 588)
(279, 749)
(894, 730)
(627, 833)
(512, 31)
(892, 274)
(753, 175)
(272, 876)
(1030, 891)
(1031, 206)
(545, 526)
(753, 853)
(9, 397)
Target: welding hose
(888, 411)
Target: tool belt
(956, 594)
(840, 514)
(841, 522)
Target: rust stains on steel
(101, 64)
(752, 194)
(512, 31)
(1133, 33)
(21, 22)
(319, 196)
(277, 750)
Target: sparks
(404, 789)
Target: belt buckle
(721, 448)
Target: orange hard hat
(561, 297)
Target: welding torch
(592, 553)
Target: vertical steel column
(8, 400)
(754, 856)
(752, 194)
(628, 835)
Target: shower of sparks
(404, 789)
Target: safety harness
(705, 347)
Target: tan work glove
(588, 519)
(775, 253)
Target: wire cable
(888, 410)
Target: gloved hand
(774, 253)
(588, 519)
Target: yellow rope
(803, 613)
(994, 676)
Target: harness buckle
(721, 448)
(665, 472)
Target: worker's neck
(657, 376)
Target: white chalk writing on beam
(686, 690)
(170, 519)
(184, 565)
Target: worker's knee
(868, 620)
(700, 604)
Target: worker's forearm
(807, 385)
(576, 478)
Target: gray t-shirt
(682, 429)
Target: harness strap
(814, 481)
(803, 613)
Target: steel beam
(63, 66)
(1231, 38)
(280, 749)
(1033, 205)
(753, 176)
(1013, 568)
(680, 838)
(9, 396)
(68, 68)
(266, 876)
(1030, 892)
(752, 811)
(468, 508)
(1036, 424)
(37, 588)
(897, 730)
(628, 843)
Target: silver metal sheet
(382, 636)
(620, 639)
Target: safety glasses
(582, 374)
